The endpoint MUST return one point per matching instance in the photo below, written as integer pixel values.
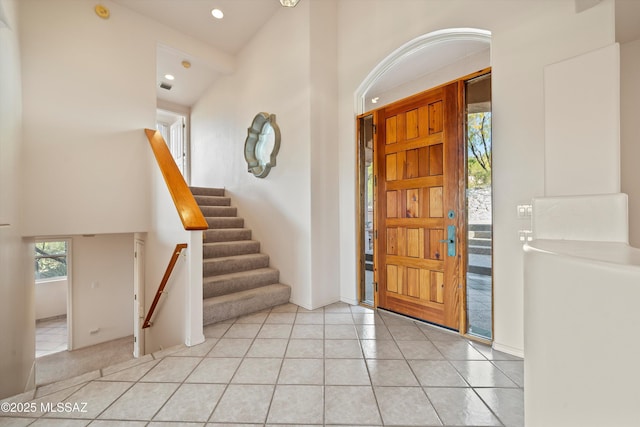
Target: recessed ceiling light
(375, 100)
(217, 13)
(169, 77)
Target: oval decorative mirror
(262, 144)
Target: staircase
(479, 249)
(237, 279)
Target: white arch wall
(425, 47)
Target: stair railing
(172, 263)
(188, 210)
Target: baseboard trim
(31, 380)
(349, 301)
(518, 352)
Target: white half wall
(178, 316)
(582, 124)
(51, 298)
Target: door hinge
(375, 180)
(135, 339)
(375, 234)
(135, 254)
(375, 128)
(375, 284)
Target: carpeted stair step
(225, 249)
(236, 282)
(237, 279)
(233, 264)
(212, 201)
(228, 306)
(227, 234)
(203, 191)
(218, 211)
(224, 222)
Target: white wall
(582, 124)
(325, 260)
(17, 337)
(51, 298)
(178, 316)
(102, 295)
(526, 36)
(273, 75)
(84, 143)
(629, 137)
(519, 138)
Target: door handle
(450, 240)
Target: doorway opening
(479, 282)
(428, 61)
(366, 203)
(173, 127)
(52, 295)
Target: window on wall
(50, 259)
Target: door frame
(464, 318)
(138, 297)
(462, 229)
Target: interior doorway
(173, 127)
(52, 296)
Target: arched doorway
(423, 63)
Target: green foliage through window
(479, 149)
(51, 259)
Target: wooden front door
(419, 193)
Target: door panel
(418, 161)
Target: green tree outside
(479, 149)
(50, 259)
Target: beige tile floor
(339, 365)
(51, 336)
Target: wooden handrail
(163, 283)
(188, 210)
